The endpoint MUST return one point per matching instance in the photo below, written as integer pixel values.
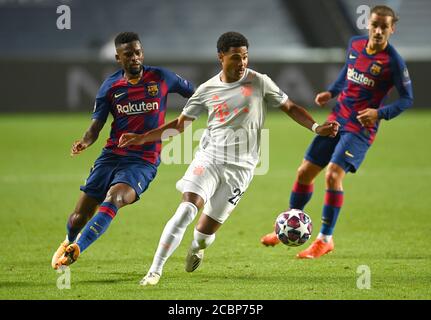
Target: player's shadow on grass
(378, 256)
(101, 281)
(14, 284)
(114, 277)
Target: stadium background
(49, 78)
(300, 44)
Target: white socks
(326, 238)
(201, 240)
(173, 234)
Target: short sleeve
(194, 106)
(272, 94)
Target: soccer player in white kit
(236, 101)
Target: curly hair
(231, 39)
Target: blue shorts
(110, 169)
(347, 150)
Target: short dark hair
(231, 39)
(126, 37)
(382, 10)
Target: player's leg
(316, 158)
(347, 157)
(300, 195)
(118, 196)
(204, 234)
(331, 209)
(175, 228)
(233, 184)
(334, 197)
(126, 179)
(172, 235)
(84, 210)
(197, 186)
(303, 187)
(203, 237)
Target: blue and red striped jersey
(138, 107)
(364, 82)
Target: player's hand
(328, 129)
(368, 117)
(77, 147)
(323, 98)
(128, 139)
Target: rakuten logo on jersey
(359, 78)
(137, 108)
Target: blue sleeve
(176, 84)
(102, 105)
(336, 87)
(401, 80)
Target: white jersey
(236, 114)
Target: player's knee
(332, 177)
(118, 199)
(193, 198)
(303, 175)
(301, 172)
(185, 214)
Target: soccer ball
(293, 227)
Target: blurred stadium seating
(300, 41)
(169, 29)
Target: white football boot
(194, 260)
(150, 279)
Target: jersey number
(237, 195)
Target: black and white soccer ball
(293, 227)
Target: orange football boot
(270, 239)
(59, 253)
(317, 249)
(71, 255)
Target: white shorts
(221, 186)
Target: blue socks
(300, 195)
(331, 209)
(97, 225)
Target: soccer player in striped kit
(372, 68)
(136, 96)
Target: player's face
(234, 62)
(131, 57)
(380, 29)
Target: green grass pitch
(385, 223)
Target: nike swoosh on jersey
(351, 56)
(118, 95)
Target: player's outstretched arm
(301, 116)
(169, 129)
(90, 136)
